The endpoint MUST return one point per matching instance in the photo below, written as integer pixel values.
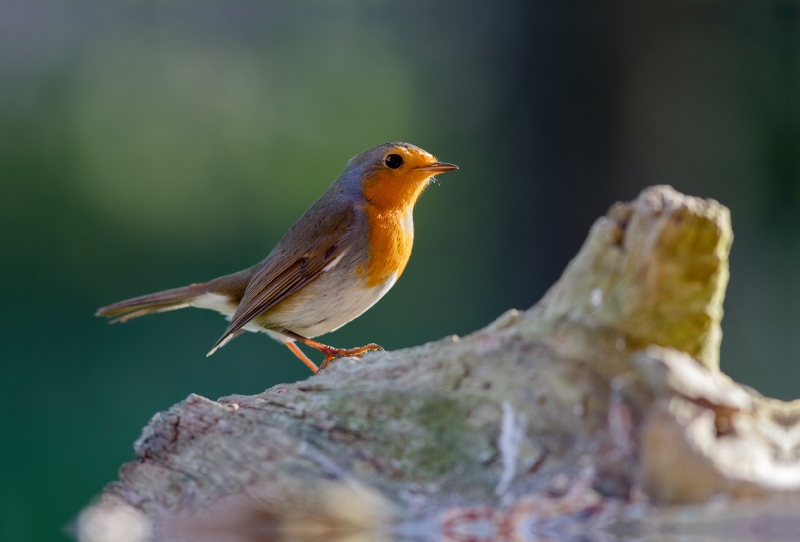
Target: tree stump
(603, 404)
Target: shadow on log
(600, 408)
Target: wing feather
(285, 271)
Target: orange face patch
(397, 188)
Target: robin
(340, 258)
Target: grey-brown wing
(288, 269)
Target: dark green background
(146, 145)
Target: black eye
(394, 161)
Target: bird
(340, 257)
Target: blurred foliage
(146, 145)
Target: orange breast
(391, 236)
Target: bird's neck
(391, 236)
(389, 208)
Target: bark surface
(603, 402)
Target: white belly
(324, 305)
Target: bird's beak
(438, 167)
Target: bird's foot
(330, 352)
(335, 353)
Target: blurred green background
(146, 145)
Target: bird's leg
(329, 351)
(299, 353)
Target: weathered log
(605, 399)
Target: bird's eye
(393, 161)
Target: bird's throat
(389, 192)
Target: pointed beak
(438, 167)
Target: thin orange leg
(299, 353)
(329, 351)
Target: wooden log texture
(605, 400)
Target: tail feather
(168, 300)
(147, 310)
(231, 287)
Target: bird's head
(393, 175)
